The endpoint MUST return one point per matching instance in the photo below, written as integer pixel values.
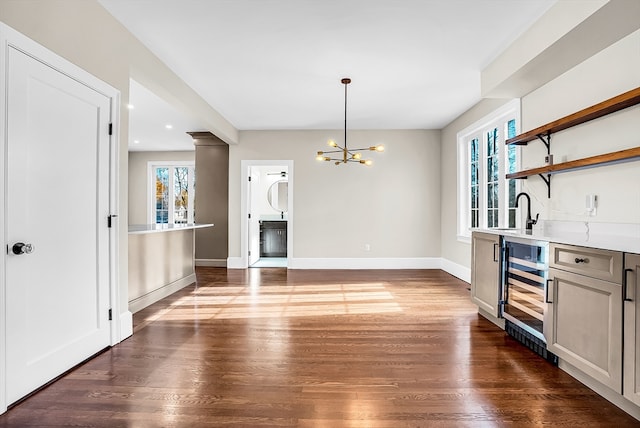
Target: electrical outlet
(367, 247)
(591, 204)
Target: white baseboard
(236, 263)
(211, 262)
(365, 263)
(126, 325)
(160, 293)
(459, 271)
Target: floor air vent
(531, 342)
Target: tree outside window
(174, 193)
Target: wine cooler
(525, 284)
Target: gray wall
(393, 205)
(138, 180)
(608, 73)
(212, 200)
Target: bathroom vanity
(273, 238)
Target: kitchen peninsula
(161, 261)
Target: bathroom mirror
(278, 196)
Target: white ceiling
(149, 116)
(277, 64)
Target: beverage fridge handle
(505, 275)
(625, 285)
(546, 291)
(496, 246)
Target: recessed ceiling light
(136, 141)
(130, 106)
(168, 126)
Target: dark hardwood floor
(271, 347)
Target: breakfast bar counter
(161, 261)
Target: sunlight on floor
(280, 301)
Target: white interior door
(57, 296)
(254, 224)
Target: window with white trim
(171, 192)
(485, 198)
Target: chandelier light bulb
(379, 148)
(320, 157)
(368, 162)
(332, 143)
(357, 155)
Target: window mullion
(172, 196)
(503, 201)
(192, 194)
(482, 187)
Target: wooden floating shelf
(620, 156)
(604, 108)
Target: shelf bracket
(547, 181)
(546, 140)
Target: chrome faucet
(530, 221)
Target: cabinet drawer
(601, 264)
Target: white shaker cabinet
(584, 298)
(631, 294)
(485, 272)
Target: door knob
(22, 248)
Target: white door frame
(245, 203)
(10, 38)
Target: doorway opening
(269, 214)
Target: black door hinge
(249, 215)
(109, 218)
(110, 315)
(111, 129)
(249, 178)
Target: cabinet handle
(625, 285)
(546, 292)
(495, 247)
(577, 260)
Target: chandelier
(345, 154)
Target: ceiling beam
(568, 34)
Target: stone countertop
(154, 228)
(606, 236)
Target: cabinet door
(273, 239)
(485, 272)
(631, 385)
(584, 326)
